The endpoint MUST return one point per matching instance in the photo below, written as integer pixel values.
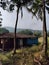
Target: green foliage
(37, 33)
(3, 30)
(48, 33)
(28, 32)
(25, 57)
(47, 2)
(21, 1)
(37, 8)
(18, 3)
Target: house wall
(24, 42)
(9, 44)
(20, 42)
(17, 43)
(32, 41)
(0, 44)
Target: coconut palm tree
(38, 9)
(18, 4)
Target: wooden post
(2, 42)
(21, 43)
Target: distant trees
(38, 33)
(3, 31)
(27, 32)
(31, 32)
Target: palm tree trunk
(15, 31)
(44, 29)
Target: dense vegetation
(23, 56)
(3, 30)
(28, 32)
(40, 9)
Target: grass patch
(22, 56)
(3, 57)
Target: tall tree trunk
(15, 31)
(44, 29)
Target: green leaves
(21, 12)
(22, 1)
(47, 8)
(0, 20)
(3, 5)
(11, 7)
(37, 8)
(47, 2)
(3, 30)
(27, 32)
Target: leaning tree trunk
(15, 31)
(44, 29)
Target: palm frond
(47, 8)
(21, 12)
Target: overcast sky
(27, 22)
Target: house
(7, 40)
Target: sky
(27, 22)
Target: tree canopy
(11, 3)
(28, 32)
(37, 8)
(3, 30)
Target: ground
(24, 56)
